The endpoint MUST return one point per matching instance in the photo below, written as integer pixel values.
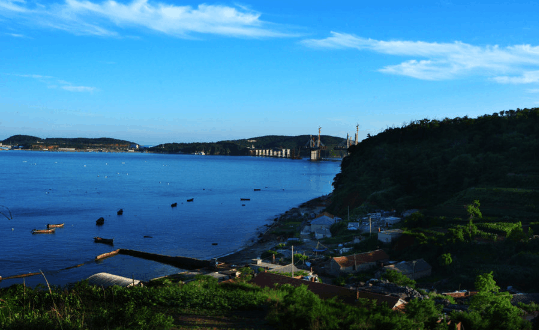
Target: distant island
(284, 146)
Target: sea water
(40, 188)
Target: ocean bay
(78, 188)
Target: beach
(267, 240)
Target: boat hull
(109, 241)
(43, 231)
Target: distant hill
(443, 164)
(241, 147)
(33, 142)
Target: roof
(407, 267)
(392, 232)
(327, 214)
(106, 280)
(324, 291)
(361, 258)
(323, 220)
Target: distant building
(258, 263)
(321, 233)
(323, 222)
(388, 236)
(391, 220)
(357, 262)
(413, 269)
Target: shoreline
(266, 240)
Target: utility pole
(292, 261)
(370, 227)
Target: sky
(166, 71)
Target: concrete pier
(180, 262)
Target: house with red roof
(357, 262)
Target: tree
(424, 311)
(473, 210)
(495, 307)
(398, 278)
(445, 259)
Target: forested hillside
(29, 142)
(443, 164)
(241, 147)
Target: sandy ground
(268, 241)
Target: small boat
(245, 199)
(43, 231)
(58, 225)
(104, 240)
(120, 212)
(213, 243)
(256, 189)
(173, 204)
(191, 199)
(100, 221)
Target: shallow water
(78, 188)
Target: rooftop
(361, 258)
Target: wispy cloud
(16, 35)
(52, 82)
(107, 18)
(517, 64)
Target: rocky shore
(267, 239)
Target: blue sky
(182, 71)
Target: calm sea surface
(78, 188)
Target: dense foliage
(170, 304)
(493, 158)
(241, 147)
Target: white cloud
(525, 78)
(107, 17)
(532, 90)
(517, 64)
(78, 88)
(54, 83)
(16, 35)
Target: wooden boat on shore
(58, 225)
(43, 231)
(100, 221)
(109, 241)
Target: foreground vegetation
(204, 304)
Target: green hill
(440, 165)
(33, 142)
(241, 147)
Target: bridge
(315, 147)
